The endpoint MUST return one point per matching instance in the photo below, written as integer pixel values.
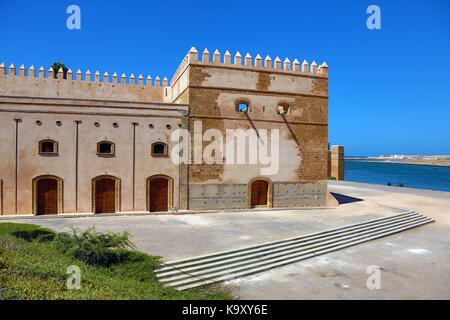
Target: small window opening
(159, 149)
(282, 109)
(243, 107)
(105, 148)
(48, 147)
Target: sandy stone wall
(337, 162)
(95, 107)
(212, 92)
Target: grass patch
(34, 261)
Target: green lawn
(33, 266)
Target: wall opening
(259, 193)
(47, 195)
(283, 109)
(105, 148)
(105, 194)
(159, 149)
(48, 146)
(159, 193)
(242, 106)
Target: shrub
(95, 248)
(37, 270)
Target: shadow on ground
(344, 199)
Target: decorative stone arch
(269, 191)
(169, 190)
(59, 192)
(117, 192)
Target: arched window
(283, 109)
(48, 146)
(105, 148)
(159, 149)
(242, 106)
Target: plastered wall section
(28, 86)
(31, 164)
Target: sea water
(406, 175)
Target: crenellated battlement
(257, 63)
(95, 85)
(79, 85)
(79, 76)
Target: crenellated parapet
(79, 85)
(249, 62)
(79, 76)
(244, 72)
(88, 85)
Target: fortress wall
(90, 165)
(209, 88)
(214, 89)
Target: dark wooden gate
(159, 194)
(105, 195)
(47, 196)
(259, 191)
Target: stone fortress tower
(73, 144)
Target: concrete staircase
(206, 269)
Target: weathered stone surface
(134, 115)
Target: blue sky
(389, 89)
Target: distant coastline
(399, 173)
(421, 162)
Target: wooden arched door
(105, 195)
(259, 190)
(158, 194)
(47, 196)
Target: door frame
(169, 190)
(116, 193)
(59, 192)
(269, 192)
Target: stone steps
(201, 270)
